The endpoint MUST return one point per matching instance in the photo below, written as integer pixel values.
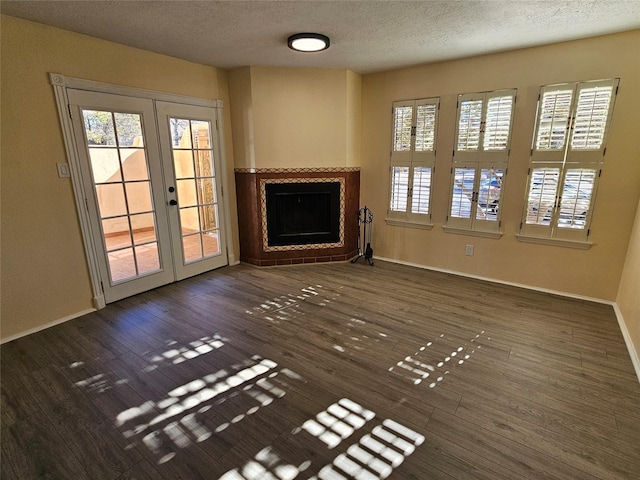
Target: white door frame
(60, 85)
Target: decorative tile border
(263, 207)
(298, 170)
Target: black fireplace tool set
(365, 223)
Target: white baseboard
(633, 353)
(46, 325)
(502, 282)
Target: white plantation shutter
(593, 110)
(553, 119)
(575, 199)
(583, 109)
(463, 194)
(566, 158)
(469, 124)
(484, 122)
(498, 123)
(426, 127)
(403, 121)
(412, 159)
(559, 206)
(483, 135)
(475, 198)
(421, 194)
(399, 189)
(541, 200)
(402, 146)
(489, 194)
(591, 118)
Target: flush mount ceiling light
(308, 42)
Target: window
(481, 152)
(566, 159)
(412, 160)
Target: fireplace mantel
(252, 218)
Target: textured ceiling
(366, 36)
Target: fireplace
(301, 215)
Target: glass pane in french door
(120, 172)
(193, 163)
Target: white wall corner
(633, 353)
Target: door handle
(173, 202)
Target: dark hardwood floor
(325, 371)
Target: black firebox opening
(303, 213)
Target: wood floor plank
(21, 358)
(629, 427)
(18, 397)
(8, 413)
(600, 462)
(538, 408)
(34, 449)
(99, 449)
(141, 471)
(459, 463)
(519, 459)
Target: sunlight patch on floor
(372, 457)
(417, 368)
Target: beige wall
(295, 117)
(629, 293)
(354, 120)
(241, 110)
(591, 273)
(44, 271)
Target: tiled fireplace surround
(250, 189)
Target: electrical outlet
(468, 251)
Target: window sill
(474, 233)
(406, 223)
(555, 241)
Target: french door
(149, 171)
(192, 163)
